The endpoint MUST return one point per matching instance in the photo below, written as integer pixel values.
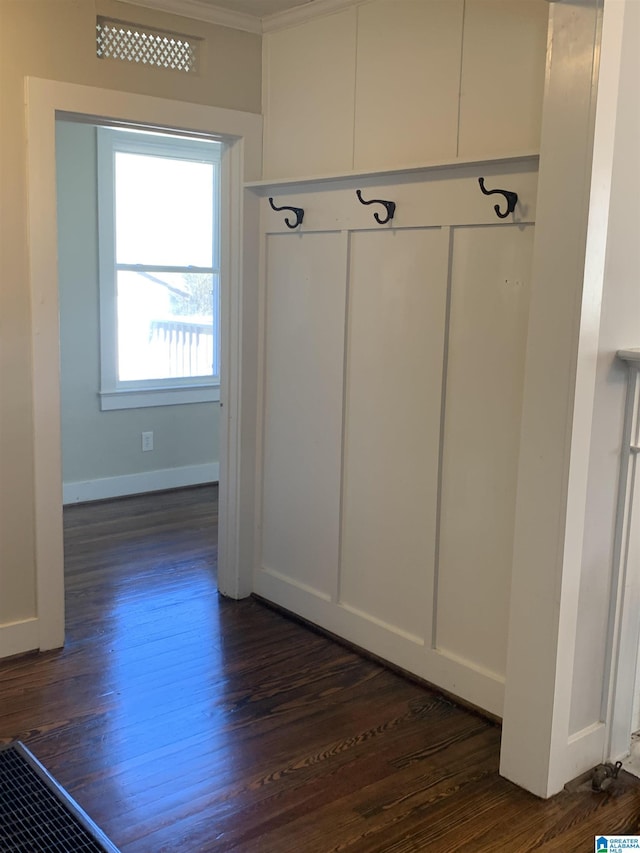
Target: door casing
(242, 132)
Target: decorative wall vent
(144, 46)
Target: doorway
(46, 101)
(139, 291)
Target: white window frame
(132, 394)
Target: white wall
(101, 450)
(537, 751)
(617, 156)
(56, 41)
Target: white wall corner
(554, 449)
(622, 27)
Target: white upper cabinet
(407, 82)
(394, 83)
(503, 63)
(309, 82)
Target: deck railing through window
(184, 347)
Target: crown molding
(306, 12)
(201, 11)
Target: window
(159, 239)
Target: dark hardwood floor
(185, 722)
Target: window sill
(139, 398)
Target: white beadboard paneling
(407, 82)
(491, 272)
(351, 543)
(503, 66)
(303, 401)
(309, 84)
(396, 329)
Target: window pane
(167, 325)
(164, 211)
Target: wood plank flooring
(184, 722)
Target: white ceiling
(255, 16)
(258, 8)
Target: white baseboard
(135, 484)
(19, 637)
(461, 678)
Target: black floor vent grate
(37, 815)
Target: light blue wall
(96, 444)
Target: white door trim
(554, 448)
(243, 132)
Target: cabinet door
(503, 62)
(408, 81)
(303, 401)
(309, 87)
(396, 329)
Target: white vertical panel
(503, 63)
(397, 307)
(302, 439)
(635, 715)
(309, 87)
(408, 80)
(491, 271)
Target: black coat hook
(511, 198)
(299, 212)
(390, 205)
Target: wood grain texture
(182, 721)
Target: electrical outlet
(147, 441)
